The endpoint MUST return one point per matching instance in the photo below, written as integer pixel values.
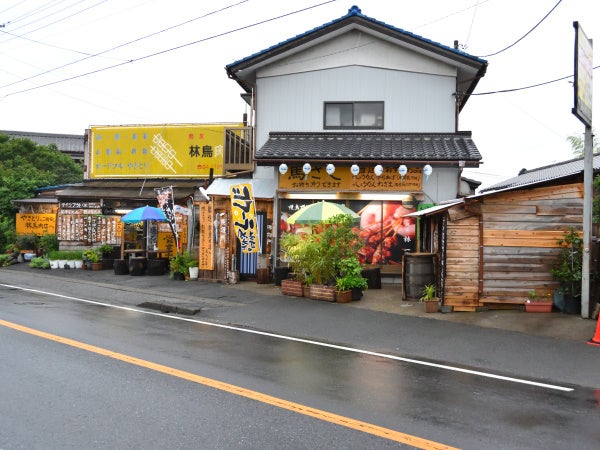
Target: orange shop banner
(38, 224)
(342, 180)
(167, 151)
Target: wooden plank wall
(462, 263)
(520, 230)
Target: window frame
(353, 127)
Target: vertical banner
(206, 237)
(166, 203)
(244, 217)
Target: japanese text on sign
(244, 217)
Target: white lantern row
(355, 169)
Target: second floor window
(344, 115)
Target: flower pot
(343, 296)
(431, 306)
(193, 272)
(538, 307)
(572, 304)
(97, 265)
(357, 294)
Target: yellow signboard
(342, 180)
(38, 224)
(206, 237)
(165, 151)
(244, 217)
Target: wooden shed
(499, 245)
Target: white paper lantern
(402, 170)
(330, 169)
(378, 170)
(306, 168)
(354, 170)
(283, 168)
(427, 169)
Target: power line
(525, 35)
(502, 91)
(122, 45)
(179, 47)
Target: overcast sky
(68, 64)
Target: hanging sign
(244, 217)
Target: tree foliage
(26, 166)
(577, 144)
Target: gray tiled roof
(545, 173)
(396, 147)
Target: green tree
(577, 143)
(24, 167)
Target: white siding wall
(413, 102)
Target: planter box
(538, 307)
(343, 296)
(431, 306)
(322, 292)
(291, 287)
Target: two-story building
(363, 113)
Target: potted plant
(538, 304)
(429, 298)
(106, 255)
(93, 256)
(293, 246)
(567, 269)
(191, 263)
(350, 277)
(177, 267)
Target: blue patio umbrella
(144, 213)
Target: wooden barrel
(156, 266)
(120, 267)
(137, 266)
(419, 270)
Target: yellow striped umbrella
(320, 212)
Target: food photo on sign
(386, 232)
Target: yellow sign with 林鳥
(244, 217)
(165, 151)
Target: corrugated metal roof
(545, 173)
(406, 147)
(67, 143)
(260, 188)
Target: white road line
(305, 341)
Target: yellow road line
(254, 395)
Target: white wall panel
(413, 102)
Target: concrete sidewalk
(539, 346)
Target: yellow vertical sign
(206, 237)
(244, 217)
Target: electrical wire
(179, 47)
(502, 91)
(122, 45)
(525, 35)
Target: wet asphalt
(546, 347)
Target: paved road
(77, 396)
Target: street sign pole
(583, 111)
